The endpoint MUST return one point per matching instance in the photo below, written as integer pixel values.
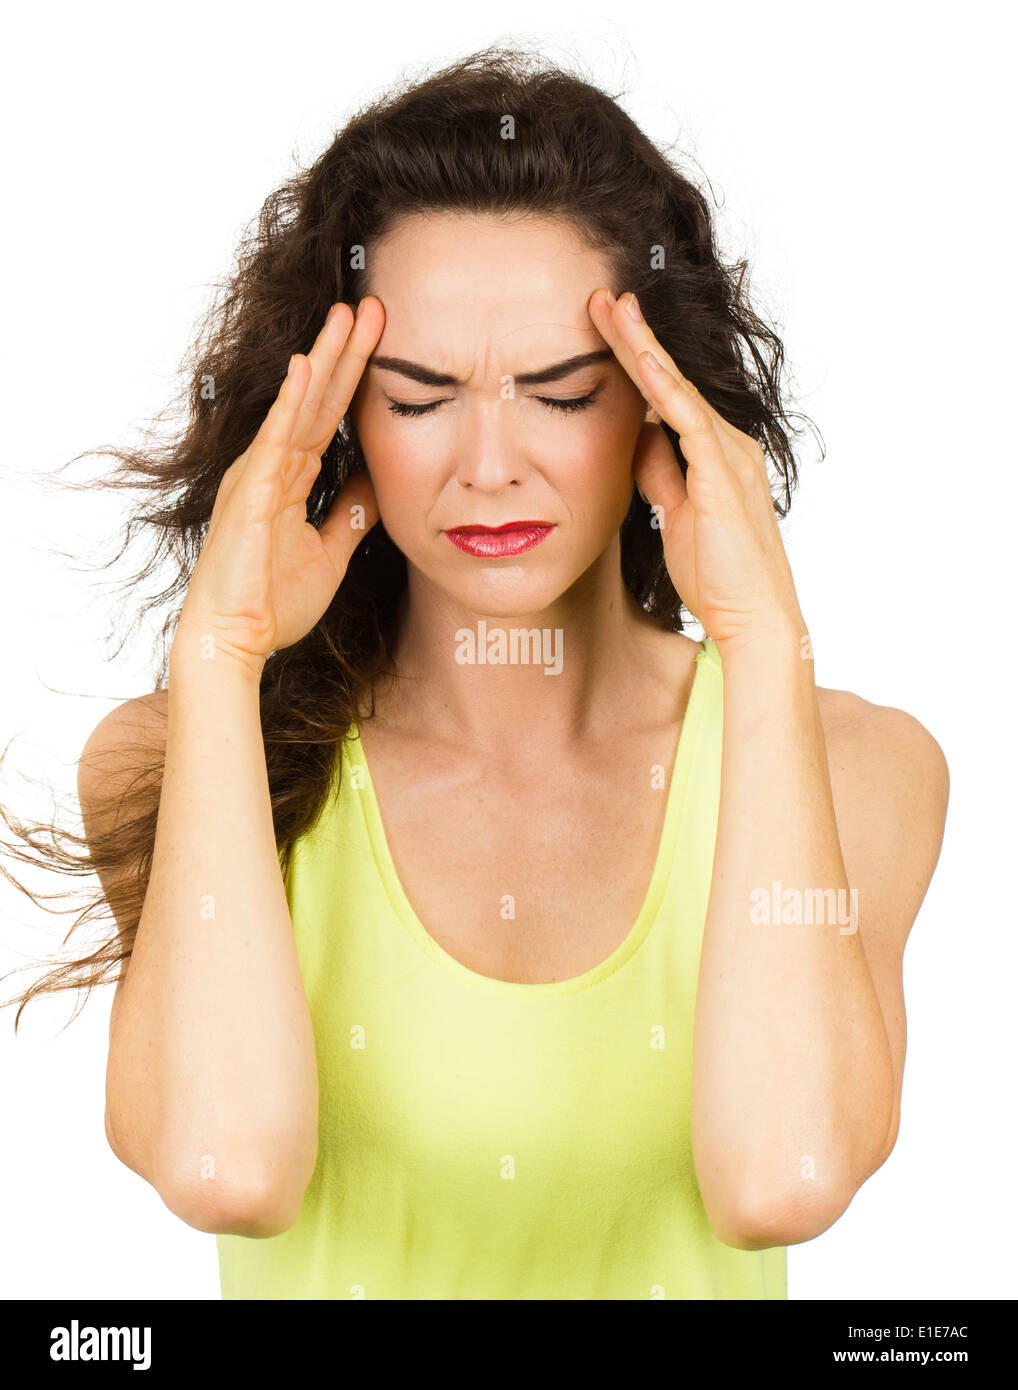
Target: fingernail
(331, 314)
(653, 363)
(633, 309)
(611, 300)
(289, 370)
(360, 306)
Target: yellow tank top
(486, 1139)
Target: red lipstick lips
(511, 538)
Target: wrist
(777, 640)
(769, 681)
(199, 650)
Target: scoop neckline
(645, 918)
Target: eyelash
(563, 406)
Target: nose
(490, 457)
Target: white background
(864, 159)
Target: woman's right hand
(265, 575)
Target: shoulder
(890, 784)
(144, 717)
(118, 751)
(881, 741)
(129, 732)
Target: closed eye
(566, 405)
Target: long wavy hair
(443, 142)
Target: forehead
(463, 283)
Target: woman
(583, 987)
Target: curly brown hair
(424, 145)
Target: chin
(508, 592)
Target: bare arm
(212, 1090)
(799, 1033)
(799, 1030)
(212, 1086)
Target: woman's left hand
(721, 541)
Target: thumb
(656, 470)
(351, 516)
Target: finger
(338, 390)
(657, 473)
(294, 405)
(351, 517)
(277, 427)
(628, 336)
(611, 325)
(697, 425)
(702, 446)
(706, 439)
(325, 352)
(633, 335)
(284, 429)
(345, 339)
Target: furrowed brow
(428, 377)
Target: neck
(560, 674)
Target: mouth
(511, 538)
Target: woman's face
(484, 303)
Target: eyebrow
(428, 377)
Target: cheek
(598, 468)
(383, 447)
(404, 483)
